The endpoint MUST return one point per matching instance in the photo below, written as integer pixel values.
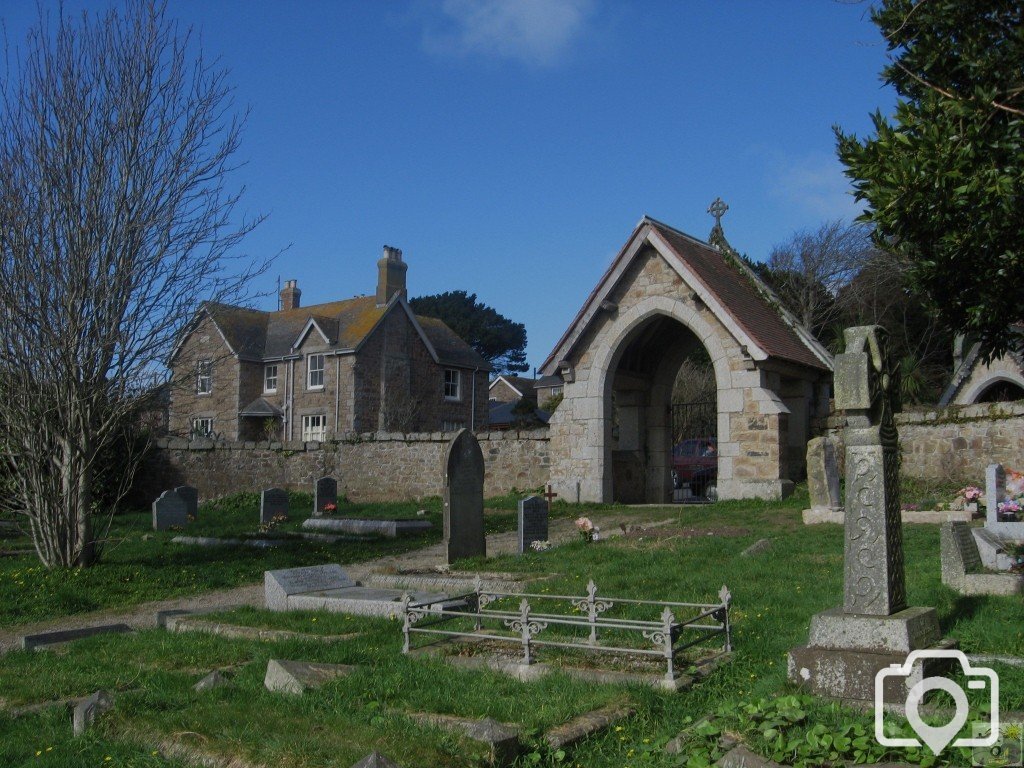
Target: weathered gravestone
(170, 511)
(273, 502)
(88, 710)
(464, 498)
(533, 521)
(823, 474)
(280, 585)
(874, 628)
(191, 497)
(325, 492)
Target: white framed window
(202, 426)
(556, 391)
(204, 377)
(452, 384)
(314, 428)
(315, 371)
(270, 378)
(452, 426)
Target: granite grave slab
(390, 529)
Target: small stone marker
(298, 676)
(995, 492)
(191, 497)
(278, 585)
(171, 509)
(759, 546)
(213, 680)
(273, 502)
(874, 628)
(376, 760)
(88, 710)
(464, 498)
(325, 492)
(533, 522)
(586, 725)
(823, 474)
(502, 741)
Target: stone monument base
(845, 651)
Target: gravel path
(143, 615)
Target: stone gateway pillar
(874, 628)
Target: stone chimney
(290, 295)
(390, 275)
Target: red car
(695, 461)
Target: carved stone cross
(718, 209)
(867, 389)
(550, 495)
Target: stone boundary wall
(378, 466)
(956, 442)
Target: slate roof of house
(747, 300)
(503, 415)
(255, 335)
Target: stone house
(321, 372)
(507, 388)
(665, 296)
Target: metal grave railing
(582, 623)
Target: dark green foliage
(944, 178)
(497, 339)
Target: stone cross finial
(718, 209)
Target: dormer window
(315, 371)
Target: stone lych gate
(664, 296)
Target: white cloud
(816, 184)
(535, 32)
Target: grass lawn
(774, 595)
(140, 564)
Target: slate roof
(256, 335)
(743, 295)
(737, 289)
(502, 415)
(261, 408)
(522, 383)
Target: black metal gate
(694, 451)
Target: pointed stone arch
(764, 369)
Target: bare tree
(808, 270)
(116, 138)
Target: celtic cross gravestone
(874, 628)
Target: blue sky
(509, 147)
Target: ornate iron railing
(579, 627)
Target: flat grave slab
(46, 639)
(390, 529)
(329, 588)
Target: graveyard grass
(141, 565)
(774, 595)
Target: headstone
(278, 585)
(213, 680)
(170, 511)
(823, 474)
(995, 492)
(191, 497)
(533, 521)
(464, 498)
(90, 708)
(874, 628)
(759, 546)
(298, 676)
(325, 492)
(273, 502)
(500, 741)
